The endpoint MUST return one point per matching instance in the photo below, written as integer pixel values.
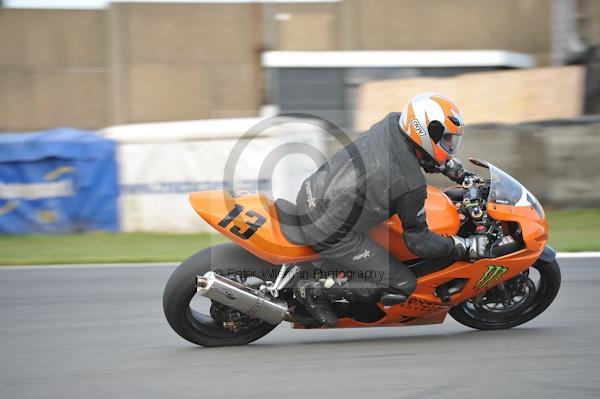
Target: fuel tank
(442, 218)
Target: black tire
(546, 292)
(181, 288)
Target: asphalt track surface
(100, 333)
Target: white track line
(567, 255)
(559, 255)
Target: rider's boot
(367, 291)
(402, 285)
(316, 296)
(310, 293)
(352, 290)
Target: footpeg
(392, 299)
(443, 293)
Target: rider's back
(367, 176)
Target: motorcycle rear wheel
(199, 327)
(471, 315)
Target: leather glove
(470, 248)
(454, 170)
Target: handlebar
(454, 170)
(474, 195)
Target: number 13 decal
(252, 225)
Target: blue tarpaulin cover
(57, 181)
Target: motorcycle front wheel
(513, 302)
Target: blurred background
(111, 112)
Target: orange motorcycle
(235, 293)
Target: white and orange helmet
(434, 123)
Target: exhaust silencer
(241, 298)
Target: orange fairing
(533, 225)
(442, 218)
(265, 241)
(425, 307)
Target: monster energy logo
(492, 275)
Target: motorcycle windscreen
(506, 190)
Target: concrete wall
(557, 161)
(589, 21)
(137, 62)
(519, 25)
(53, 69)
(129, 63)
(298, 26)
(184, 61)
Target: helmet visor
(450, 142)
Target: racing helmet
(434, 124)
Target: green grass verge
(569, 231)
(574, 231)
(102, 248)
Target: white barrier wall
(161, 163)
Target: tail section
(250, 221)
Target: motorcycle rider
(364, 184)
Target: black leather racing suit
(361, 186)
